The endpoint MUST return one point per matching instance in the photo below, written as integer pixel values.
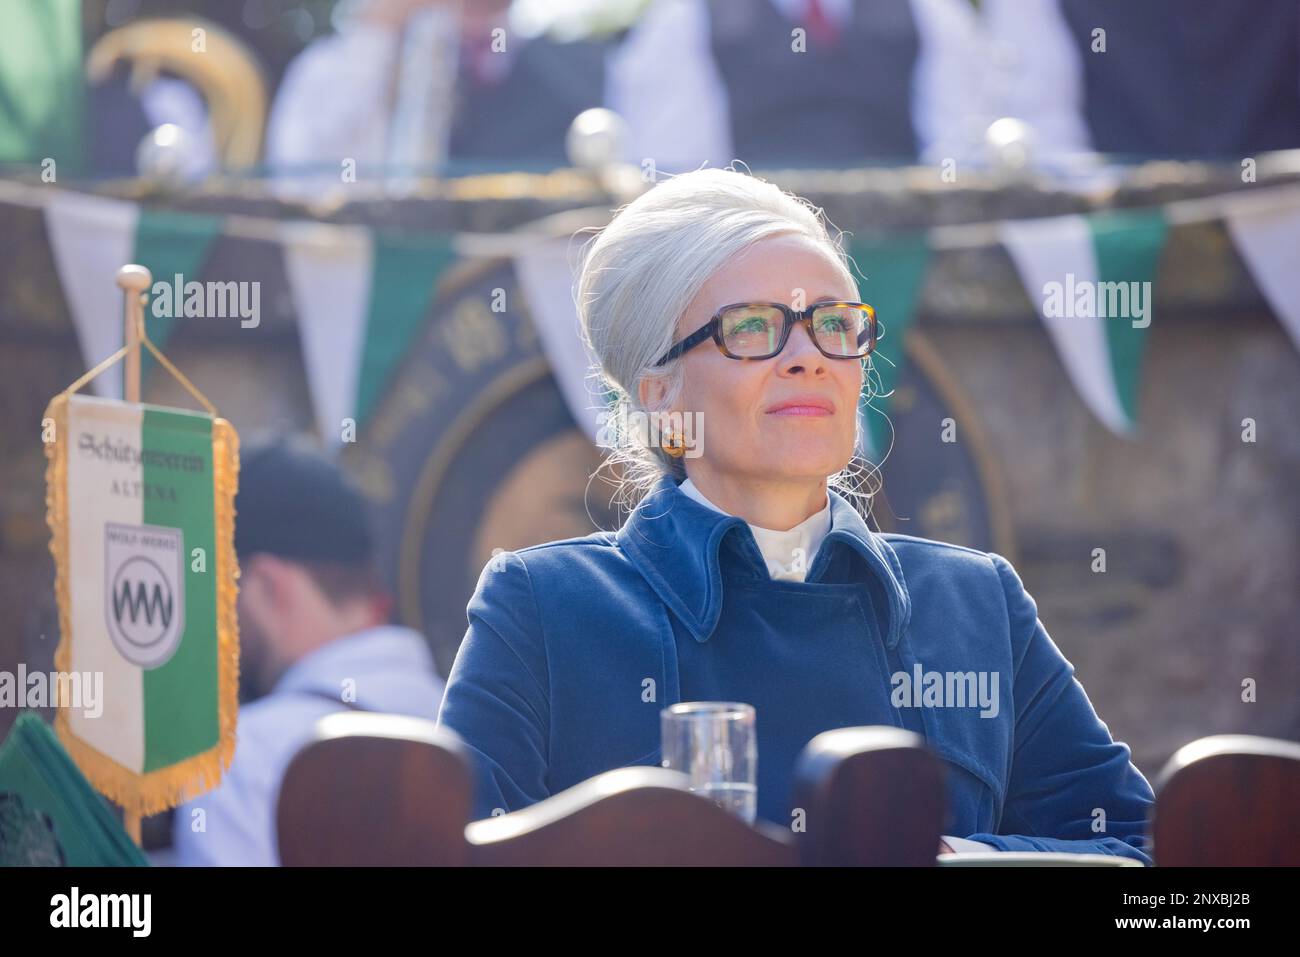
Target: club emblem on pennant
(145, 601)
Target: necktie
(820, 27)
(476, 54)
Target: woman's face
(791, 418)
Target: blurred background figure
(314, 639)
(870, 81)
(353, 94)
(900, 81)
(1188, 81)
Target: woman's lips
(801, 410)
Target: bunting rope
(1179, 212)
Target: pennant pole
(133, 280)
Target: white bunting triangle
(91, 238)
(547, 279)
(1060, 250)
(1268, 239)
(329, 269)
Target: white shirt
(788, 554)
(1010, 58)
(336, 101)
(388, 669)
(780, 552)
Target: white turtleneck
(788, 554)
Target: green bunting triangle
(170, 244)
(405, 279)
(895, 267)
(1128, 244)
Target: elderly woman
(745, 572)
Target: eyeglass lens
(751, 331)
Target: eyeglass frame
(713, 328)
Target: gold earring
(674, 444)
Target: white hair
(640, 273)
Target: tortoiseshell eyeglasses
(760, 330)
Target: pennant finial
(134, 277)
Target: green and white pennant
(90, 237)
(361, 297)
(141, 517)
(1066, 264)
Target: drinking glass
(714, 743)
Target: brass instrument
(225, 72)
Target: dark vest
(526, 116)
(1179, 79)
(841, 106)
(115, 123)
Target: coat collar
(675, 543)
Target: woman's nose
(801, 355)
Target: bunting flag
(1091, 278)
(1268, 239)
(329, 270)
(90, 237)
(361, 295)
(141, 514)
(360, 299)
(407, 269)
(172, 246)
(546, 277)
(895, 268)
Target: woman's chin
(807, 455)
(799, 468)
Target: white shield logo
(144, 591)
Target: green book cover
(49, 814)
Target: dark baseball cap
(295, 503)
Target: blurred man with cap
(314, 639)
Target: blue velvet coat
(574, 647)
